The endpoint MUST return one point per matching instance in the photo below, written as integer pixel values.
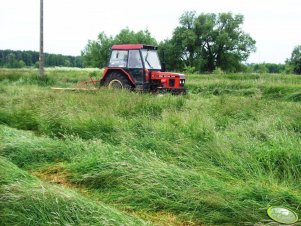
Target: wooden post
(41, 57)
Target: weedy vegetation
(220, 155)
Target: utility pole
(41, 57)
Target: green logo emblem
(282, 215)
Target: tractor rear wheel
(116, 80)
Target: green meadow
(220, 155)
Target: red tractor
(137, 67)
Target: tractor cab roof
(132, 46)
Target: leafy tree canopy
(96, 53)
(208, 41)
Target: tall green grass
(220, 155)
(271, 87)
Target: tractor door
(135, 66)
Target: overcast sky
(69, 24)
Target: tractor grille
(171, 82)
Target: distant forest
(19, 59)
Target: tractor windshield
(151, 59)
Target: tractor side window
(135, 59)
(119, 58)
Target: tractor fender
(107, 71)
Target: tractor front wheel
(117, 81)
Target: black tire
(117, 80)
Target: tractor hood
(159, 74)
(174, 82)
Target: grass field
(220, 155)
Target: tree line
(200, 43)
(19, 59)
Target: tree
(11, 60)
(179, 51)
(210, 41)
(20, 64)
(96, 53)
(295, 60)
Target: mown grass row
(25, 200)
(204, 158)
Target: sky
(69, 24)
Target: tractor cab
(138, 67)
